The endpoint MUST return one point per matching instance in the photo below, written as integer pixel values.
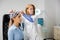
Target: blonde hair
(29, 6)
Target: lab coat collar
(28, 17)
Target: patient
(15, 32)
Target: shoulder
(11, 28)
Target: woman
(30, 31)
(30, 27)
(15, 32)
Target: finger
(10, 11)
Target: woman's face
(18, 18)
(30, 10)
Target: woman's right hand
(21, 12)
(10, 11)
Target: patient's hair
(11, 19)
(29, 6)
(14, 15)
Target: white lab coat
(30, 29)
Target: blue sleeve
(10, 35)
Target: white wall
(6, 5)
(50, 7)
(58, 13)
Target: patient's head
(15, 18)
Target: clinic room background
(50, 10)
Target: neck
(29, 14)
(16, 24)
